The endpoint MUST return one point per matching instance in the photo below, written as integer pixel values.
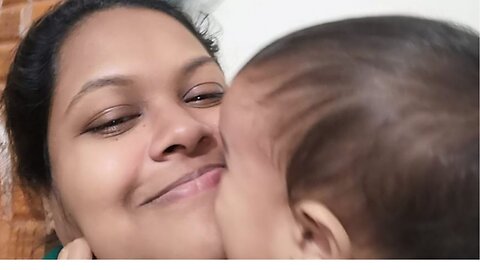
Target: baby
(356, 139)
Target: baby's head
(355, 139)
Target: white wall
(248, 25)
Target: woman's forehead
(120, 27)
(143, 45)
(128, 36)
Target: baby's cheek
(221, 203)
(226, 206)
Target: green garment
(53, 254)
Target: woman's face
(133, 142)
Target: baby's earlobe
(322, 234)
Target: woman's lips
(191, 184)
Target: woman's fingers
(78, 249)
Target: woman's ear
(49, 223)
(65, 228)
(321, 235)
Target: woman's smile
(191, 184)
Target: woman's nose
(181, 134)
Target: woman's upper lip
(182, 180)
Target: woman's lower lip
(202, 183)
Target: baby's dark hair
(30, 82)
(394, 147)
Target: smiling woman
(112, 109)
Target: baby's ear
(320, 234)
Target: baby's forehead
(272, 94)
(256, 84)
(254, 81)
(247, 94)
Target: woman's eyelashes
(204, 95)
(115, 126)
(119, 119)
(114, 121)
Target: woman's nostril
(171, 149)
(203, 140)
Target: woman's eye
(205, 98)
(115, 126)
(204, 95)
(113, 122)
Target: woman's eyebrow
(118, 80)
(115, 80)
(192, 65)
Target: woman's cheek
(100, 173)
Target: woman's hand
(78, 249)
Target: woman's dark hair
(29, 87)
(394, 147)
